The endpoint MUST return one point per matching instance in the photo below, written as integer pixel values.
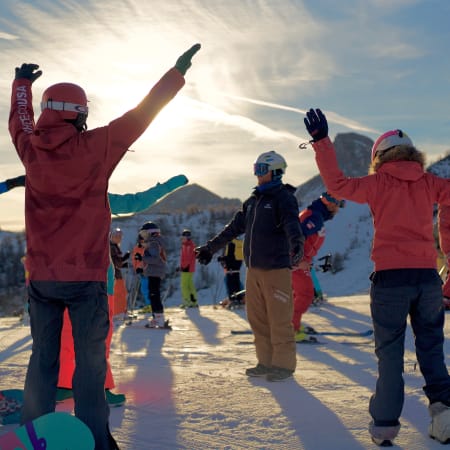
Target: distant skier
(312, 221)
(138, 265)
(155, 269)
(231, 261)
(273, 244)
(405, 282)
(67, 220)
(187, 269)
(120, 261)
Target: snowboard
(53, 431)
(11, 401)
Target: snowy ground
(186, 388)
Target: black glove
(203, 254)
(138, 257)
(15, 182)
(139, 270)
(184, 61)
(125, 256)
(28, 71)
(316, 124)
(185, 269)
(296, 255)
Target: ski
(310, 341)
(322, 333)
(345, 333)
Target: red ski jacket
(67, 214)
(187, 256)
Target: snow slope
(186, 388)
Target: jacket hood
(51, 131)
(403, 170)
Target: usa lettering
(22, 111)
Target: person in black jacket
(273, 245)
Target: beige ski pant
(269, 307)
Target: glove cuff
(323, 144)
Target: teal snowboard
(11, 401)
(54, 431)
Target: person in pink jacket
(67, 219)
(405, 282)
(187, 268)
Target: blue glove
(316, 124)
(28, 71)
(203, 254)
(184, 61)
(11, 183)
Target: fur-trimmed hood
(398, 153)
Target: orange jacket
(67, 214)
(137, 264)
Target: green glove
(184, 61)
(28, 71)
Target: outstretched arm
(133, 203)
(12, 183)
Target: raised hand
(184, 61)
(316, 124)
(28, 71)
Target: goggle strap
(64, 106)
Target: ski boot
(114, 400)
(302, 338)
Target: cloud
(8, 36)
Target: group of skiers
(67, 172)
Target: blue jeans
(395, 294)
(87, 303)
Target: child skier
(312, 221)
(231, 261)
(155, 269)
(401, 196)
(119, 260)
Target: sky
(371, 66)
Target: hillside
(190, 198)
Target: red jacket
(67, 214)
(401, 197)
(187, 256)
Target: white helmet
(269, 161)
(390, 139)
